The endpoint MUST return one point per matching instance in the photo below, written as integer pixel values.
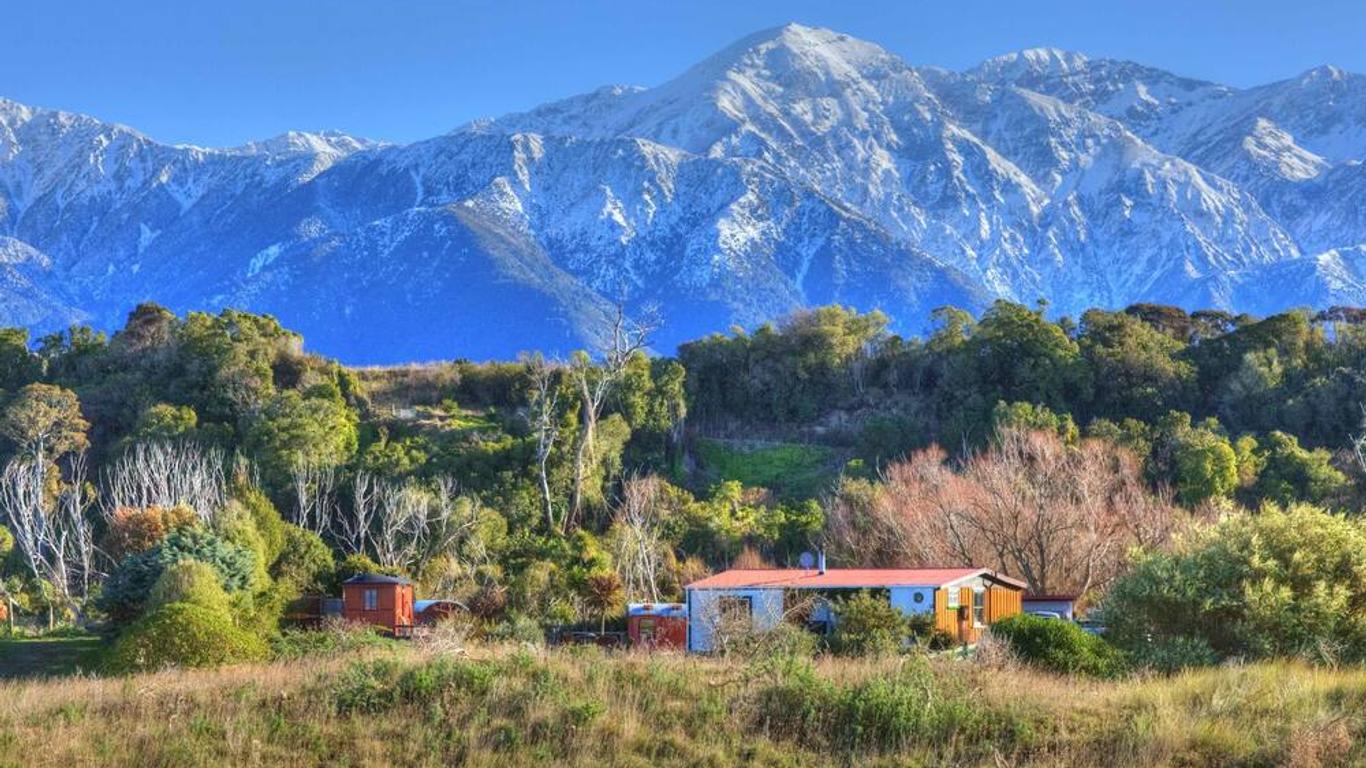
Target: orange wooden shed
(383, 601)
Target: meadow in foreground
(410, 705)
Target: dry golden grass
(506, 708)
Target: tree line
(550, 491)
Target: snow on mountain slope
(1141, 97)
(25, 296)
(703, 238)
(1291, 144)
(999, 182)
(796, 167)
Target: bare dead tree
(406, 524)
(594, 382)
(315, 495)
(351, 527)
(23, 502)
(167, 474)
(544, 418)
(450, 519)
(74, 516)
(1061, 517)
(639, 545)
(401, 519)
(56, 542)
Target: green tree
(1028, 416)
(1135, 367)
(164, 421)
(1206, 467)
(1274, 584)
(45, 421)
(18, 365)
(294, 429)
(868, 624)
(305, 565)
(1018, 355)
(1290, 473)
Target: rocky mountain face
(797, 167)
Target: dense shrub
(517, 628)
(191, 582)
(183, 635)
(1273, 584)
(304, 565)
(1173, 654)
(867, 624)
(1059, 646)
(127, 587)
(133, 530)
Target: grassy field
(794, 470)
(509, 707)
(22, 657)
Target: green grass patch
(22, 657)
(792, 470)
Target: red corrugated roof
(841, 578)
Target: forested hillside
(545, 491)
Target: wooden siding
(1001, 602)
(394, 605)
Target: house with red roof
(962, 601)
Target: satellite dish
(807, 560)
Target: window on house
(731, 608)
(979, 607)
(953, 599)
(371, 599)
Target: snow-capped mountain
(796, 167)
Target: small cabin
(379, 600)
(961, 601)
(657, 625)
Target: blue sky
(221, 73)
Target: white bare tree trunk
(545, 400)
(640, 544)
(167, 474)
(57, 544)
(595, 383)
(315, 494)
(351, 528)
(401, 517)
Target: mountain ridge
(795, 167)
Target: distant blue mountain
(797, 167)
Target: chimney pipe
(820, 561)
